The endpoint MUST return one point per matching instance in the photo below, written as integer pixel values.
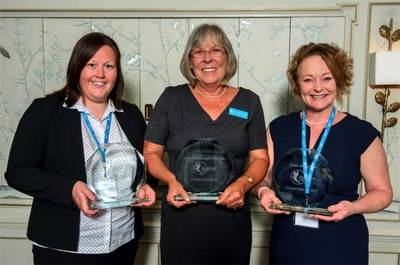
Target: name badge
(302, 219)
(239, 113)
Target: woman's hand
(267, 198)
(340, 211)
(233, 195)
(82, 196)
(146, 192)
(153, 154)
(175, 188)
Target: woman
(207, 108)
(351, 152)
(54, 141)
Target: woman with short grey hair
(210, 130)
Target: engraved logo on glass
(288, 181)
(204, 168)
(297, 177)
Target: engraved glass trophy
(116, 180)
(204, 168)
(288, 181)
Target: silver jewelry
(211, 96)
(260, 190)
(316, 123)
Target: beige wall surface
(39, 36)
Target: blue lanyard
(106, 133)
(308, 171)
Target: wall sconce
(385, 73)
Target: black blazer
(46, 159)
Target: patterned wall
(39, 50)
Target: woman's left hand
(233, 196)
(340, 211)
(146, 192)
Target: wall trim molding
(349, 10)
(171, 5)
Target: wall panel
(21, 76)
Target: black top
(344, 242)
(46, 159)
(178, 118)
(204, 233)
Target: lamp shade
(384, 69)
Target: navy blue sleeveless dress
(344, 242)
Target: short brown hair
(200, 34)
(84, 50)
(340, 65)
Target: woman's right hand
(267, 198)
(175, 188)
(82, 196)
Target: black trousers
(122, 255)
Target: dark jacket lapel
(75, 133)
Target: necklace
(316, 123)
(213, 96)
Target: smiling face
(210, 67)
(317, 85)
(99, 75)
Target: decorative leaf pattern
(35, 53)
(381, 15)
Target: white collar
(79, 106)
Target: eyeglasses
(199, 53)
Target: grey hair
(200, 34)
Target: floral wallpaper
(39, 50)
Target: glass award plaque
(204, 168)
(116, 180)
(288, 181)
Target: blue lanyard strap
(308, 171)
(93, 134)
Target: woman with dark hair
(318, 157)
(210, 129)
(49, 160)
